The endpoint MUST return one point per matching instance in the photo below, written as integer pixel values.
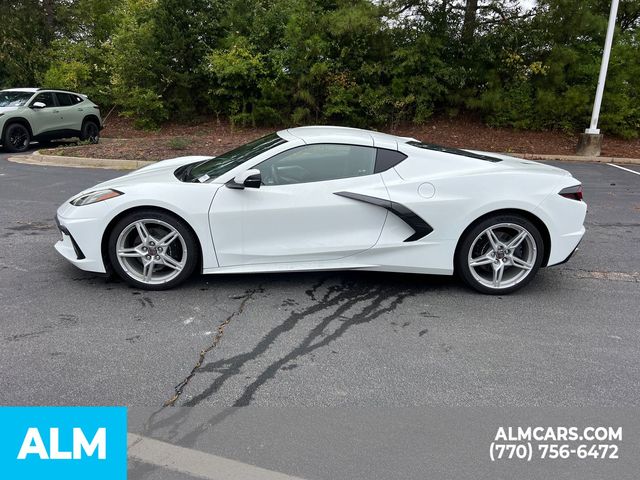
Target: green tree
(25, 35)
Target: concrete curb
(83, 162)
(79, 162)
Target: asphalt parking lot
(571, 338)
(343, 339)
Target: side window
(64, 99)
(46, 98)
(317, 163)
(387, 159)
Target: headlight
(94, 197)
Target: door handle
(81, 110)
(56, 111)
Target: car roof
(347, 135)
(27, 90)
(34, 90)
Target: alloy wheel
(151, 251)
(502, 255)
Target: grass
(178, 143)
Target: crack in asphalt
(344, 297)
(179, 388)
(372, 311)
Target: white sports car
(328, 198)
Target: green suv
(28, 114)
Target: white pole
(594, 130)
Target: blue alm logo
(63, 443)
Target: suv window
(64, 99)
(46, 98)
(317, 163)
(14, 99)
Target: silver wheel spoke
(168, 238)
(518, 239)
(142, 231)
(498, 270)
(171, 262)
(519, 263)
(147, 271)
(482, 260)
(130, 252)
(493, 240)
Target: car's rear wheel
(17, 138)
(152, 250)
(500, 254)
(90, 132)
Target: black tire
(131, 269)
(476, 238)
(17, 138)
(90, 131)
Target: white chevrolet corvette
(328, 198)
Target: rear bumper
(564, 219)
(570, 255)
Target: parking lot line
(194, 462)
(623, 168)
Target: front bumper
(67, 239)
(81, 237)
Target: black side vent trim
(408, 216)
(76, 247)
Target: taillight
(573, 193)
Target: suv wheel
(90, 132)
(17, 138)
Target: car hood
(8, 109)
(159, 172)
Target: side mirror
(249, 179)
(38, 105)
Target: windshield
(223, 163)
(14, 99)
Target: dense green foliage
(356, 62)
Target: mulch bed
(209, 137)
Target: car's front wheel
(17, 138)
(152, 250)
(500, 254)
